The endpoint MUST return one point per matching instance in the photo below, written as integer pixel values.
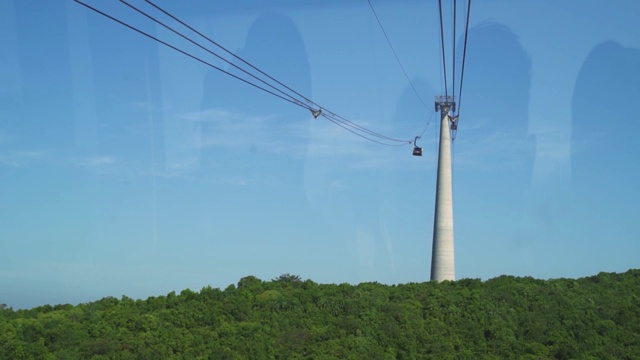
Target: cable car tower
(442, 258)
(442, 255)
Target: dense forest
(507, 317)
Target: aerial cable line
(453, 91)
(336, 119)
(454, 119)
(188, 54)
(396, 55)
(307, 100)
(444, 62)
(226, 50)
(211, 52)
(360, 135)
(415, 91)
(464, 54)
(428, 123)
(315, 113)
(328, 114)
(455, 112)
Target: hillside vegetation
(506, 317)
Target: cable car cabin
(417, 151)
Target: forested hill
(506, 317)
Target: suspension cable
(334, 118)
(225, 49)
(433, 113)
(415, 91)
(188, 54)
(453, 90)
(464, 54)
(328, 117)
(344, 121)
(444, 62)
(209, 51)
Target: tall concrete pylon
(442, 256)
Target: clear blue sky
(128, 169)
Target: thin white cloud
(220, 128)
(233, 180)
(217, 115)
(96, 161)
(147, 106)
(319, 142)
(484, 146)
(100, 165)
(182, 169)
(332, 143)
(553, 150)
(187, 170)
(336, 184)
(19, 158)
(553, 143)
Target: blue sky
(129, 169)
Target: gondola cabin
(417, 151)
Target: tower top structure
(445, 101)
